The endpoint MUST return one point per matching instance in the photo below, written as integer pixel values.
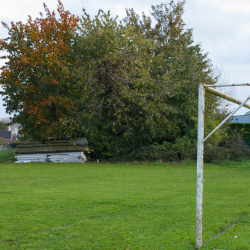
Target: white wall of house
(15, 128)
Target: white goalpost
(200, 144)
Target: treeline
(128, 86)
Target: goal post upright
(200, 149)
(200, 145)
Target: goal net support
(200, 144)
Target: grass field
(122, 206)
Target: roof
(241, 119)
(6, 135)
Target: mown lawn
(122, 206)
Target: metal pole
(200, 148)
(227, 118)
(228, 85)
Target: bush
(181, 149)
(14, 144)
(241, 128)
(233, 149)
(1, 141)
(6, 154)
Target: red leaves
(34, 78)
(45, 103)
(33, 111)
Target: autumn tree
(36, 76)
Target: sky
(221, 27)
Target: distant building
(241, 118)
(14, 128)
(7, 136)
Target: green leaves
(140, 81)
(122, 85)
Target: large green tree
(139, 81)
(184, 64)
(116, 84)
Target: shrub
(14, 144)
(233, 149)
(6, 154)
(242, 128)
(1, 141)
(181, 149)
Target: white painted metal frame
(200, 145)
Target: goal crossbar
(227, 97)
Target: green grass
(126, 206)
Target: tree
(36, 76)
(139, 82)
(122, 85)
(184, 64)
(3, 126)
(115, 81)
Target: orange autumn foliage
(36, 76)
